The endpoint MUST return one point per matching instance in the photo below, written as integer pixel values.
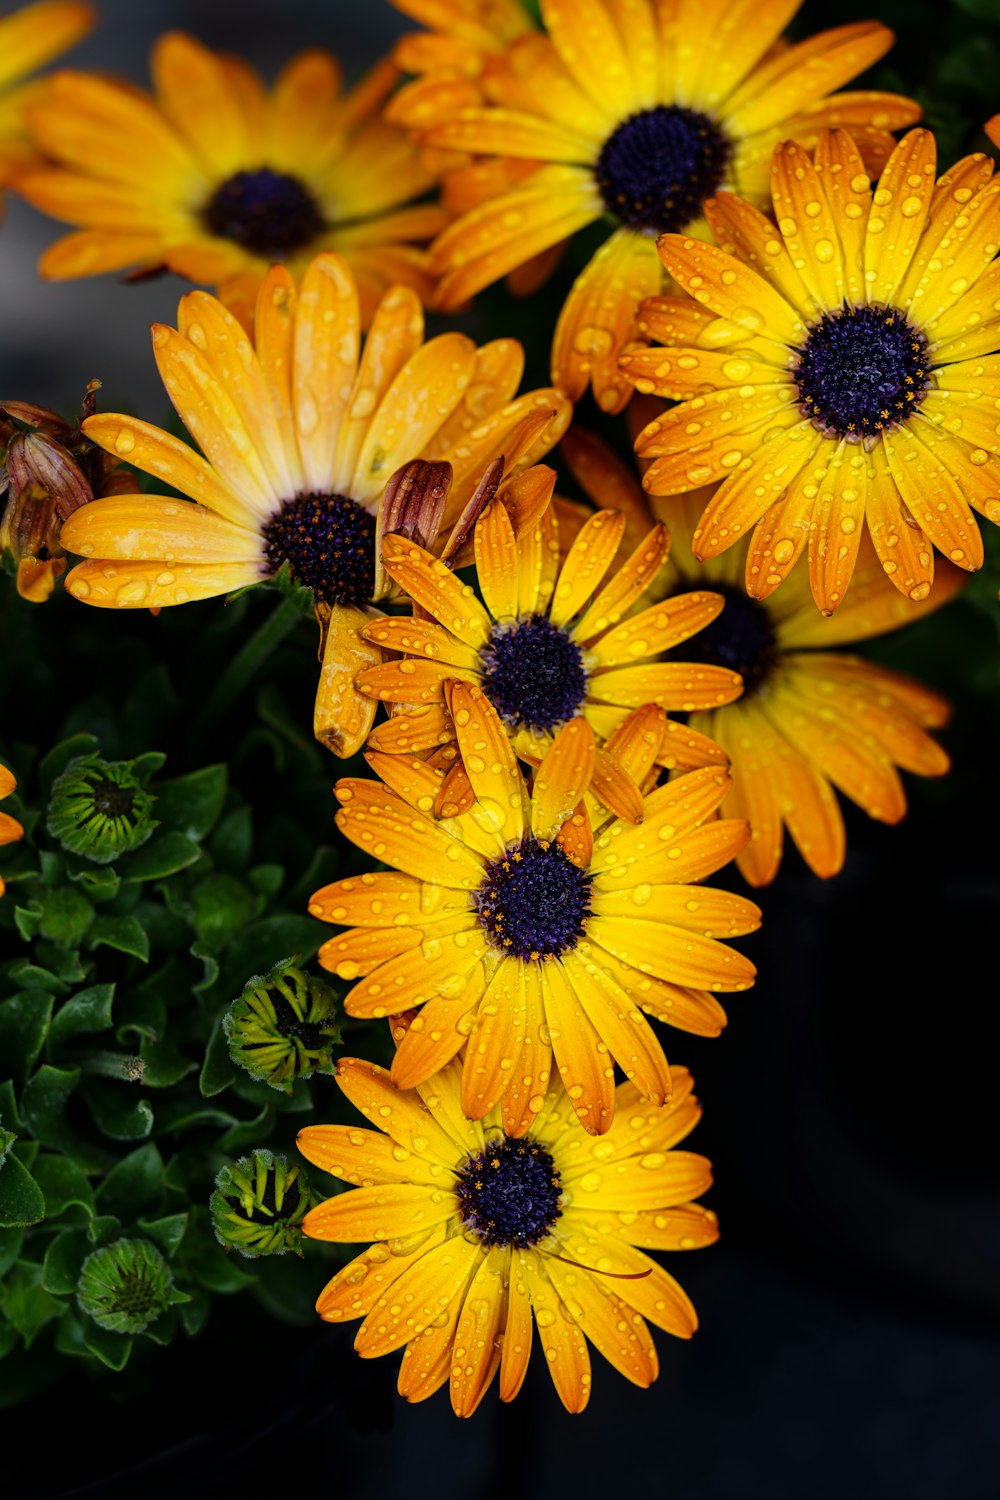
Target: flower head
(813, 718)
(838, 374)
(640, 113)
(30, 38)
(524, 931)
(259, 1204)
(303, 431)
(100, 809)
(283, 1026)
(126, 1286)
(215, 176)
(477, 1231)
(551, 641)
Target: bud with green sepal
(282, 1027)
(259, 1204)
(126, 1286)
(100, 808)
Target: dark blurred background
(851, 1314)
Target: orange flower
(29, 38)
(10, 828)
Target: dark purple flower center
(533, 674)
(328, 543)
(660, 165)
(862, 370)
(534, 901)
(269, 213)
(509, 1194)
(741, 637)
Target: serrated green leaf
(167, 1233)
(118, 1109)
(63, 1259)
(58, 758)
(10, 1246)
(24, 1024)
(218, 1070)
(136, 1179)
(164, 855)
(43, 1105)
(26, 1303)
(112, 1349)
(21, 1199)
(191, 805)
(124, 933)
(88, 1011)
(62, 1183)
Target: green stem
(245, 665)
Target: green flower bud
(259, 1204)
(99, 809)
(125, 1286)
(282, 1026)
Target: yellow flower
(29, 38)
(520, 930)
(301, 433)
(451, 56)
(10, 828)
(552, 641)
(813, 719)
(641, 111)
(843, 370)
(475, 1231)
(215, 177)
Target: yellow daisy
(641, 111)
(549, 643)
(10, 828)
(29, 38)
(475, 1231)
(813, 719)
(301, 432)
(215, 177)
(449, 58)
(523, 932)
(842, 370)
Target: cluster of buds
(48, 469)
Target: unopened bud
(259, 1204)
(283, 1026)
(99, 809)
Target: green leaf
(112, 1349)
(268, 879)
(88, 1011)
(167, 1233)
(164, 1063)
(27, 976)
(145, 766)
(62, 1183)
(8, 1105)
(222, 907)
(265, 943)
(101, 882)
(59, 758)
(63, 1259)
(126, 934)
(28, 920)
(218, 1070)
(118, 1109)
(232, 842)
(43, 1105)
(10, 1246)
(21, 1200)
(103, 1228)
(164, 855)
(191, 804)
(25, 1301)
(141, 1009)
(247, 1133)
(24, 1023)
(66, 915)
(194, 1315)
(206, 1262)
(64, 963)
(210, 967)
(136, 1179)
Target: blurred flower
(476, 1231)
(126, 1286)
(551, 641)
(29, 38)
(301, 436)
(10, 828)
(843, 371)
(99, 809)
(811, 718)
(215, 177)
(640, 112)
(259, 1204)
(283, 1026)
(451, 56)
(48, 469)
(487, 899)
